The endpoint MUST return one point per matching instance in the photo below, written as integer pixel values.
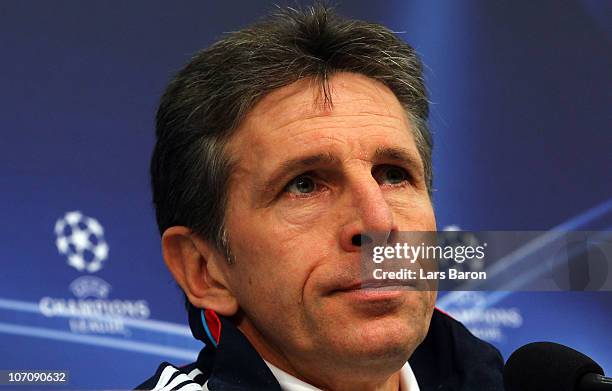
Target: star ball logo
(80, 239)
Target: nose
(370, 217)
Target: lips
(374, 284)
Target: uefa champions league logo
(81, 239)
(91, 310)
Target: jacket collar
(236, 365)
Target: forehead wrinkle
(307, 107)
(305, 100)
(343, 120)
(303, 129)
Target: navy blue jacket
(450, 358)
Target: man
(278, 149)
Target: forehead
(352, 95)
(298, 116)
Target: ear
(196, 267)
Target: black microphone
(553, 367)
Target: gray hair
(208, 99)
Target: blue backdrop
(521, 103)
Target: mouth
(376, 285)
(376, 297)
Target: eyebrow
(400, 155)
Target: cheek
(269, 278)
(421, 317)
(272, 257)
(299, 215)
(413, 214)
(264, 286)
(419, 309)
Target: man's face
(307, 180)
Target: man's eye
(301, 185)
(392, 175)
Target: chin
(384, 342)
